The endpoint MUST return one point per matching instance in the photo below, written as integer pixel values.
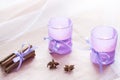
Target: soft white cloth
(26, 21)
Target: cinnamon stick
(8, 61)
(6, 58)
(15, 65)
(8, 65)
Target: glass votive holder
(60, 34)
(103, 43)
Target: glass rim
(113, 36)
(68, 26)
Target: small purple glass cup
(60, 33)
(103, 43)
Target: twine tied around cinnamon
(20, 55)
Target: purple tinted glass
(103, 42)
(60, 32)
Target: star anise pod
(52, 64)
(68, 68)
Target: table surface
(26, 21)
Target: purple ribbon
(56, 47)
(99, 60)
(20, 55)
(98, 56)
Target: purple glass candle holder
(60, 33)
(103, 43)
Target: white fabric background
(26, 21)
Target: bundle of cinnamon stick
(8, 65)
